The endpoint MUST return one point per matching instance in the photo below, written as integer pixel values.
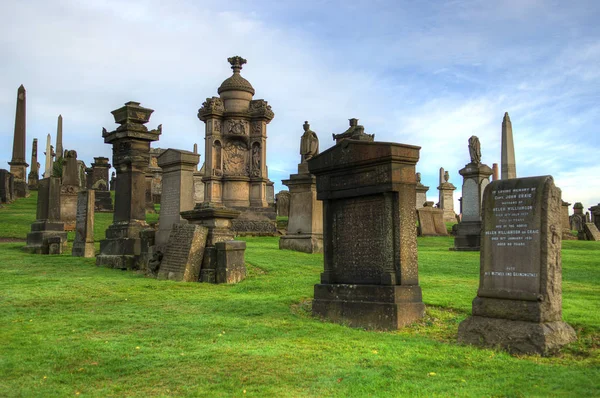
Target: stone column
(69, 190)
(18, 166)
(48, 224)
(49, 158)
(131, 153)
(100, 183)
(83, 245)
(59, 140)
(495, 172)
(509, 168)
(370, 277)
(421, 191)
(446, 196)
(34, 173)
(177, 190)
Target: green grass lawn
(70, 328)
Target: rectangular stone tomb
(431, 222)
(519, 302)
(370, 278)
(184, 253)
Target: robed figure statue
(309, 143)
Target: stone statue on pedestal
(475, 149)
(309, 143)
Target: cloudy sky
(423, 73)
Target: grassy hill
(69, 328)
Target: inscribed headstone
(83, 245)
(184, 253)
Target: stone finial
(236, 63)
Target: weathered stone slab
(431, 222)
(591, 231)
(520, 271)
(370, 277)
(83, 245)
(185, 250)
(282, 201)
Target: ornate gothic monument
(235, 173)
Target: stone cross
(509, 168)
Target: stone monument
(421, 192)
(577, 220)
(100, 183)
(370, 278)
(565, 224)
(595, 215)
(235, 148)
(305, 220)
(34, 174)
(519, 302)
(83, 245)
(475, 178)
(495, 172)
(282, 202)
(184, 253)
(446, 196)
(59, 140)
(113, 181)
(5, 189)
(131, 156)
(153, 180)
(431, 221)
(509, 168)
(48, 225)
(49, 158)
(18, 166)
(177, 191)
(69, 190)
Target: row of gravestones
(583, 224)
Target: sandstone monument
(18, 166)
(131, 155)
(446, 196)
(49, 158)
(48, 225)
(305, 222)
(370, 278)
(34, 172)
(431, 221)
(475, 178)
(519, 302)
(509, 168)
(421, 192)
(69, 190)
(235, 172)
(183, 253)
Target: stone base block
(302, 243)
(21, 189)
(38, 242)
(517, 337)
(83, 250)
(369, 306)
(116, 261)
(468, 236)
(231, 266)
(103, 202)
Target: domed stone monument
(235, 172)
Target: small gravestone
(282, 201)
(591, 231)
(184, 253)
(431, 221)
(83, 245)
(519, 302)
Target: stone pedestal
(131, 147)
(177, 190)
(218, 221)
(421, 191)
(305, 221)
(231, 267)
(83, 245)
(370, 277)
(519, 302)
(468, 233)
(48, 224)
(446, 198)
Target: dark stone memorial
(519, 302)
(184, 253)
(370, 278)
(83, 245)
(48, 224)
(34, 174)
(69, 190)
(100, 183)
(131, 148)
(18, 166)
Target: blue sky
(423, 73)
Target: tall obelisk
(18, 166)
(48, 153)
(509, 168)
(34, 171)
(59, 144)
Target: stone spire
(18, 155)
(509, 168)
(59, 143)
(34, 172)
(48, 153)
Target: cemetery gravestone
(69, 190)
(519, 302)
(431, 221)
(282, 201)
(591, 231)
(370, 278)
(83, 245)
(184, 253)
(48, 223)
